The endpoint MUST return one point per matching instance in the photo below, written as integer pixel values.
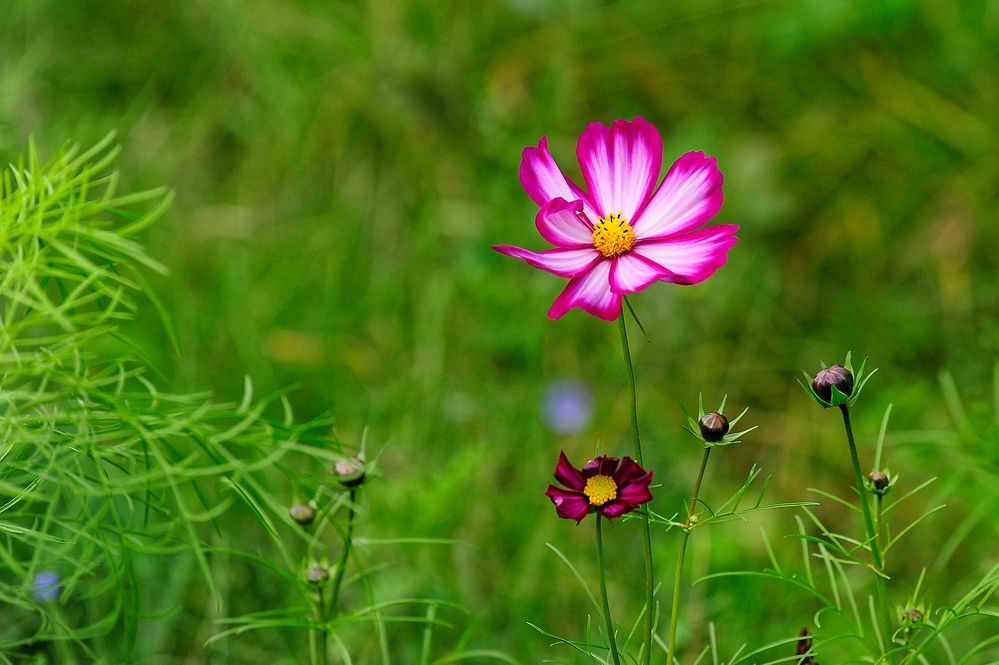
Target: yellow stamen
(600, 489)
(612, 235)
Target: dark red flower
(605, 485)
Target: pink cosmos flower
(605, 484)
(623, 232)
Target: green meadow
(334, 175)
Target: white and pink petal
(693, 257)
(620, 164)
(563, 223)
(543, 180)
(632, 272)
(564, 262)
(590, 292)
(690, 195)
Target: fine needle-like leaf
(579, 578)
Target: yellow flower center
(600, 489)
(612, 235)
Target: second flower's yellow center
(600, 489)
(612, 235)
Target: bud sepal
(712, 428)
(317, 574)
(837, 385)
(912, 617)
(880, 483)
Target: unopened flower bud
(837, 376)
(350, 472)
(803, 647)
(913, 615)
(804, 642)
(879, 479)
(302, 513)
(317, 575)
(714, 426)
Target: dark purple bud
(302, 513)
(836, 375)
(714, 426)
(803, 647)
(879, 479)
(317, 575)
(804, 642)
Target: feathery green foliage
(141, 501)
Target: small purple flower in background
(605, 484)
(45, 586)
(568, 406)
(627, 229)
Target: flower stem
(647, 531)
(347, 542)
(877, 524)
(872, 532)
(603, 594)
(319, 646)
(674, 617)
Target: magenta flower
(602, 485)
(623, 233)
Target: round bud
(714, 426)
(302, 513)
(879, 479)
(317, 575)
(913, 615)
(837, 376)
(350, 472)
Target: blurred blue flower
(568, 406)
(46, 586)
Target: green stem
(646, 653)
(603, 594)
(872, 533)
(674, 617)
(318, 646)
(322, 650)
(313, 644)
(348, 540)
(877, 525)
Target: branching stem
(872, 532)
(318, 644)
(674, 616)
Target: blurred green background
(341, 169)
